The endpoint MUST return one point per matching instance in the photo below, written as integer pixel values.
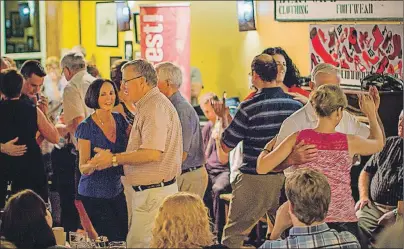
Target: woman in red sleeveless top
(335, 150)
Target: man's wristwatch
(114, 161)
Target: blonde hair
(182, 222)
(328, 98)
(52, 60)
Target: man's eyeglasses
(126, 81)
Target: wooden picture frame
(112, 59)
(106, 24)
(246, 15)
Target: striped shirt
(387, 169)
(256, 122)
(319, 236)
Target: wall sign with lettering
(358, 49)
(326, 10)
(165, 36)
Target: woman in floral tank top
(335, 150)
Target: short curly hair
(182, 222)
(292, 75)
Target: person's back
(334, 161)
(19, 119)
(265, 111)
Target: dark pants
(108, 216)
(219, 183)
(64, 164)
(36, 181)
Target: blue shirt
(104, 183)
(319, 236)
(257, 121)
(191, 132)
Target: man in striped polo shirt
(256, 122)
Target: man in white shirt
(73, 66)
(305, 118)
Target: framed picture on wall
(136, 27)
(106, 24)
(128, 50)
(112, 59)
(17, 29)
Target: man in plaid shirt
(309, 196)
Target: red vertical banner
(165, 36)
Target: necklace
(102, 123)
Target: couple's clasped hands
(102, 160)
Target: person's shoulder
(274, 244)
(347, 237)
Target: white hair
(73, 61)
(170, 72)
(323, 68)
(144, 68)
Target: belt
(190, 169)
(157, 185)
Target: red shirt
(295, 89)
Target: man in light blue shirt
(194, 177)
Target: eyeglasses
(126, 81)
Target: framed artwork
(128, 50)
(106, 24)
(123, 16)
(112, 59)
(30, 43)
(136, 27)
(17, 29)
(246, 15)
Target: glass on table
(117, 244)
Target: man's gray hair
(74, 61)
(171, 72)
(323, 68)
(145, 69)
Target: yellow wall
(218, 49)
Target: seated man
(216, 164)
(384, 173)
(309, 196)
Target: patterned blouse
(335, 163)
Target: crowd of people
(132, 162)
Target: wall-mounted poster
(358, 49)
(107, 25)
(330, 10)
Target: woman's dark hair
(24, 223)
(116, 73)
(93, 93)
(31, 67)
(11, 83)
(292, 73)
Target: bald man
(256, 122)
